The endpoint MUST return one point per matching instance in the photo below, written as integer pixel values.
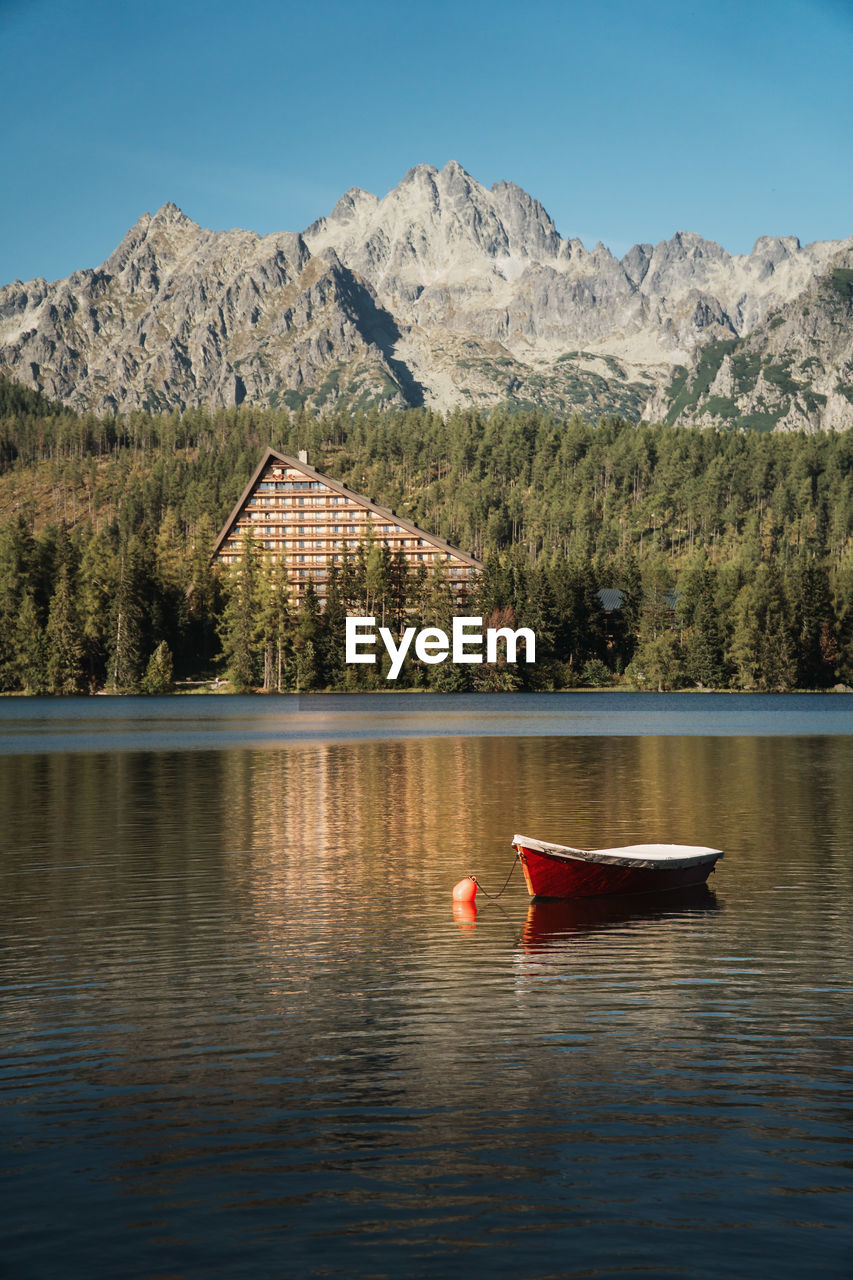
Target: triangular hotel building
(312, 521)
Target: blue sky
(628, 121)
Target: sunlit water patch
(246, 1035)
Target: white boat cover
(653, 856)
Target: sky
(628, 121)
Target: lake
(246, 1035)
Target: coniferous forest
(731, 552)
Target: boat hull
(552, 874)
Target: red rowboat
(557, 871)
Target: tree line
(732, 551)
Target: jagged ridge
(443, 292)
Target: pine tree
(702, 636)
(30, 648)
(539, 614)
(64, 641)
(624, 622)
(307, 642)
(275, 627)
(97, 583)
(158, 673)
(334, 623)
(17, 556)
(704, 645)
(239, 621)
(811, 611)
(128, 620)
(376, 583)
(761, 648)
(201, 586)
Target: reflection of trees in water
(296, 902)
(408, 817)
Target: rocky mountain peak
(441, 291)
(170, 215)
(776, 247)
(351, 203)
(418, 173)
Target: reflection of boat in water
(553, 922)
(558, 871)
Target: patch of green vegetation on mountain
(687, 391)
(814, 400)
(18, 402)
(721, 407)
(329, 387)
(762, 420)
(567, 386)
(745, 368)
(841, 281)
(297, 399)
(779, 375)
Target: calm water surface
(244, 1034)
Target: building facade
(311, 521)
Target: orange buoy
(465, 890)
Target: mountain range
(444, 293)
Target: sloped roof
(337, 487)
(610, 599)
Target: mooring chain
(494, 896)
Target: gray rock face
(442, 292)
(180, 316)
(793, 370)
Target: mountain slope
(443, 292)
(794, 370)
(179, 316)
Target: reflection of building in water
(311, 522)
(267, 934)
(350, 821)
(350, 847)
